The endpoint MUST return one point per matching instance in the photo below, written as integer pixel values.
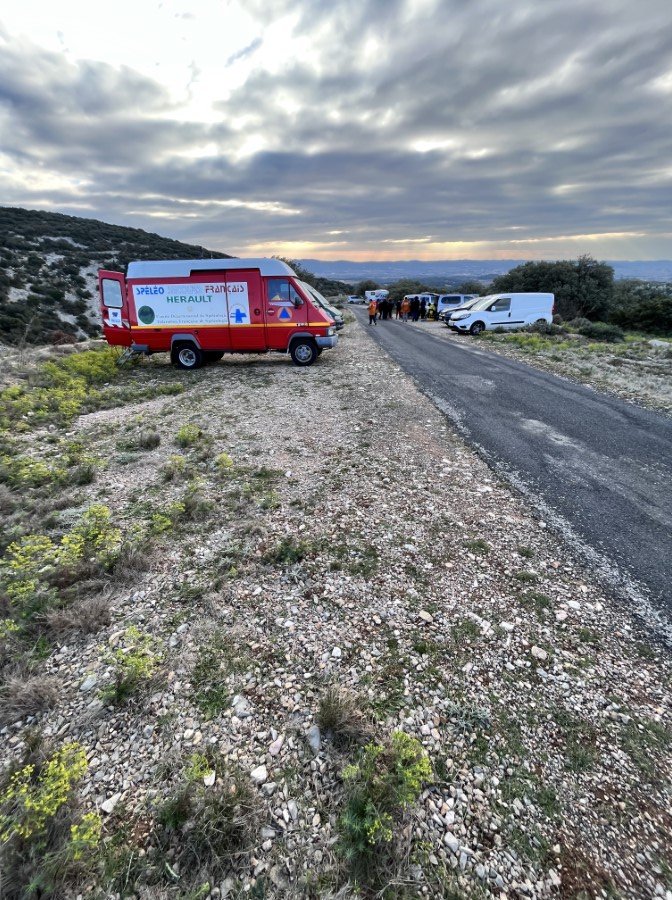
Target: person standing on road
(397, 307)
(415, 308)
(423, 308)
(405, 308)
(373, 311)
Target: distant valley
(449, 271)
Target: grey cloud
(244, 53)
(556, 96)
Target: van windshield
(318, 298)
(484, 302)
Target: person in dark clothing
(423, 308)
(415, 308)
(398, 308)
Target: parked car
(353, 299)
(447, 314)
(450, 302)
(322, 302)
(505, 311)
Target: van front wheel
(186, 356)
(303, 352)
(477, 328)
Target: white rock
(452, 843)
(314, 738)
(574, 604)
(507, 626)
(259, 775)
(337, 653)
(276, 746)
(209, 779)
(426, 616)
(538, 652)
(89, 683)
(108, 805)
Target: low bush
(379, 787)
(603, 331)
(145, 439)
(47, 843)
(188, 435)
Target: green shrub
(47, 843)
(188, 435)
(387, 778)
(602, 331)
(134, 665)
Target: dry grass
(341, 718)
(21, 697)
(87, 616)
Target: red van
(200, 309)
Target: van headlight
(331, 332)
(459, 316)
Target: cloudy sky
(358, 129)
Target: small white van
(504, 311)
(447, 302)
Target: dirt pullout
(355, 541)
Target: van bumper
(327, 343)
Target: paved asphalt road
(597, 468)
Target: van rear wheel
(477, 328)
(187, 356)
(303, 352)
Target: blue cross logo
(239, 316)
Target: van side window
(279, 289)
(503, 305)
(112, 294)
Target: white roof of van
(182, 268)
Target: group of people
(414, 308)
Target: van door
(247, 319)
(500, 314)
(114, 308)
(286, 311)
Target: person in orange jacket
(373, 311)
(405, 308)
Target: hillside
(48, 266)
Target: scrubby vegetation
(48, 265)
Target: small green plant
(379, 787)
(188, 435)
(46, 841)
(478, 546)
(224, 464)
(526, 552)
(208, 827)
(217, 659)
(135, 663)
(174, 467)
(526, 577)
(167, 518)
(287, 552)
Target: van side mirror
(298, 302)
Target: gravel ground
(345, 549)
(639, 371)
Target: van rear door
(114, 308)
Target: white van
(504, 311)
(447, 302)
